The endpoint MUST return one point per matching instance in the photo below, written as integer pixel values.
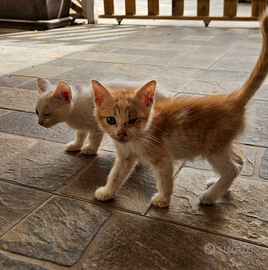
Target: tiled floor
(49, 218)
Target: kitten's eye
(132, 121)
(47, 114)
(111, 121)
(36, 112)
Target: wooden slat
(203, 7)
(109, 7)
(153, 7)
(177, 7)
(130, 7)
(257, 7)
(230, 8)
(201, 18)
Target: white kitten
(74, 106)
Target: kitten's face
(52, 102)
(123, 113)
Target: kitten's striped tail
(260, 70)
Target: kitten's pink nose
(121, 134)
(40, 123)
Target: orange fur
(176, 128)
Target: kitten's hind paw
(103, 195)
(72, 146)
(160, 201)
(89, 150)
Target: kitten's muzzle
(122, 134)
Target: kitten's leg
(164, 178)
(94, 143)
(80, 138)
(229, 165)
(120, 171)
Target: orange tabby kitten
(176, 128)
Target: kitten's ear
(63, 92)
(43, 85)
(146, 93)
(101, 94)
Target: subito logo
(209, 249)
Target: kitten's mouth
(123, 140)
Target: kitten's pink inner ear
(146, 93)
(101, 94)
(43, 84)
(63, 92)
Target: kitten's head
(125, 112)
(53, 102)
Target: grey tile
(7, 263)
(224, 75)
(58, 232)
(264, 166)
(240, 213)
(42, 71)
(26, 124)
(146, 52)
(235, 63)
(134, 242)
(47, 166)
(18, 99)
(15, 203)
(13, 145)
(135, 194)
(13, 81)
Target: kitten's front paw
(208, 198)
(72, 146)
(88, 150)
(160, 201)
(102, 194)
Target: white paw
(208, 198)
(102, 194)
(160, 201)
(72, 146)
(211, 182)
(88, 150)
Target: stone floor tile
(256, 132)
(69, 63)
(146, 52)
(42, 71)
(13, 81)
(134, 242)
(26, 124)
(264, 166)
(15, 203)
(59, 231)
(18, 99)
(241, 213)
(191, 61)
(249, 155)
(100, 57)
(3, 112)
(13, 145)
(7, 263)
(153, 61)
(236, 62)
(209, 87)
(46, 166)
(135, 194)
(224, 75)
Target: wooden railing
(177, 11)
